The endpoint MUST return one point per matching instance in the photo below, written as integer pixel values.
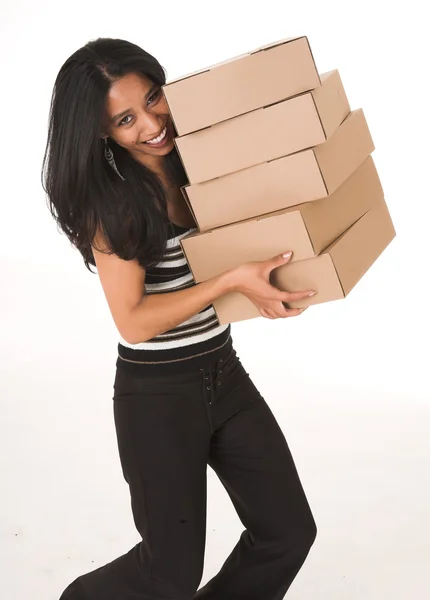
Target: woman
(182, 399)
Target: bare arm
(157, 313)
(139, 317)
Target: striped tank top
(199, 335)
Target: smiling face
(137, 118)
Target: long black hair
(84, 192)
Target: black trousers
(169, 428)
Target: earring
(109, 157)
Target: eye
(154, 96)
(123, 122)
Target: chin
(166, 149)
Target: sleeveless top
(198, 336)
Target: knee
(305, 535)
(297, 539)
(73, 592)
(311, 532)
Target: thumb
(279, 260)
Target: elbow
(134, 332)
(131, 334)
(132, 339)
(131, 331)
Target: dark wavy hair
(84, 192)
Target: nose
(149, 125)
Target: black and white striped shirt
(198, 335)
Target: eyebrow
(124, 112)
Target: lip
(163, 141)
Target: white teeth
(158, 139)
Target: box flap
(346, 150)
(331, 101)
(278, 43)
(229, 60)
(329, 217)
(359, 247)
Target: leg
(251, 457)
(163, 439)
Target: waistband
(194, 362)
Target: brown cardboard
(333, 274)
(305, 229)
(267, 133)
(283, 182)
(242, 84)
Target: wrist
(229, 281)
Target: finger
(294, 312)
(280, 311)
(302, 308)
(278, 261)
(295, 296)
(265, 314)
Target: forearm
(157, 313)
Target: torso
(196, 337)
(192, 339)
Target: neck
(154, 163)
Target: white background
(348, 381)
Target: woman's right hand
(252, 279)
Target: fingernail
(287, 255)
(312, 293)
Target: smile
(158, 140)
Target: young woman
(182, 399)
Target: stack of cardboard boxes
(276, 160)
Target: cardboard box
(231, 88)
(305, 229)
(283, 128)
(283, 182)
(333, 274)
